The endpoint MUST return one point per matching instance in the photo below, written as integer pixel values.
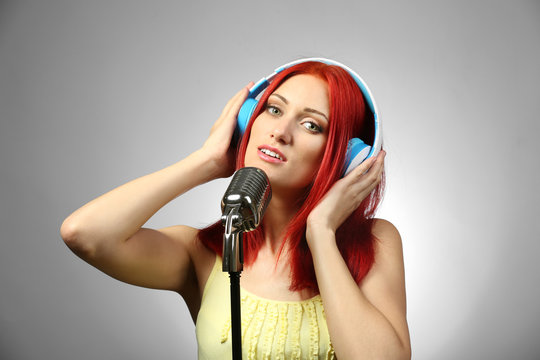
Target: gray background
(95, 93)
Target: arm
(107, 232)
(366, 321)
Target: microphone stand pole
(233, 260)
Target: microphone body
(242, 207)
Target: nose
(282, 132)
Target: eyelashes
(273, 110)
(310, 125)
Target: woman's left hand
(346, 195)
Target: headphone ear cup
(247, 109)
(357, 152)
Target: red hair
(348, 118)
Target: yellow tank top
(271, 329)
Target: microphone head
(250, 192)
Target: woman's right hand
(218, 147)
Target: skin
(366, 321)
(296, 118)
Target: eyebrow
(310, 110)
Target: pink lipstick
(271, 154)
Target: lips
(271, 154)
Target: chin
(258, 163)
(271, 173)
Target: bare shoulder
(389, 242)
(386, 232)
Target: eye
(273, 110)
(313, 127)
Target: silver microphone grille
(250, 191)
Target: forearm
(121, 212)
(357, 328)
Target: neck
(279, 213)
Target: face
(288, 138)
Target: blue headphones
(357, 150)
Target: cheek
(316, 149)
(258, 124)
(314, 155)
(255, 132)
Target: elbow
(72, 234)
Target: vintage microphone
(242, 208)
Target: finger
(374, 175)
(231, 113)
(237, 100)
(362, 169)
(368, 174)
(379, 162)
(233, 105)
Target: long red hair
(348, 118)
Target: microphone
(242, 208)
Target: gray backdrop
(95, 93)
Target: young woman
(322, 277)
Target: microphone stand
(233, 260)
(242, 207)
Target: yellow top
(271, 329)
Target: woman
(322, 278)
